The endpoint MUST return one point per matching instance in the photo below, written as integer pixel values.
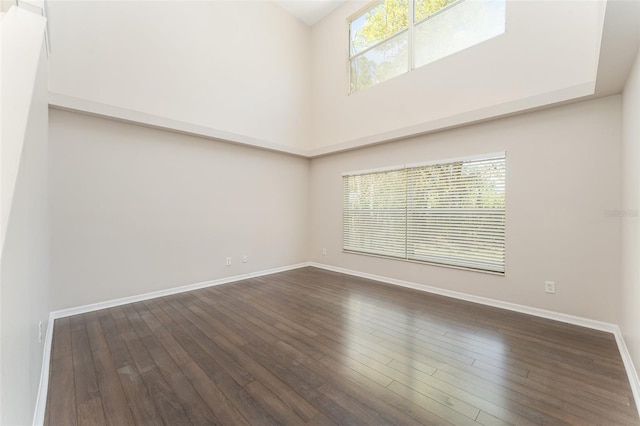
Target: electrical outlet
(324, 251)
(245, 258)
(228, 261)
(549, 287)
(40, 332)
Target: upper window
(394, 36)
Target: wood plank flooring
(310, 346)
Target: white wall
(548, 53)
(136, 210)
(6, 4)
(21, 41)
(563, 175)
(630, 216)
(24, 260)
(237, 67)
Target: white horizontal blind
(451, 213)
(456, 214)
(374, 214)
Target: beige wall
(487, 80)
(136, 210)
(630, 294)
(233, 67)
(25, 251)
(563, 174)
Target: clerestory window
(392, 37)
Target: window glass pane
(381, 63)
(377, 24)
(463, 25)
(426, 8)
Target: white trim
(376, 170)
(424, 262)
(85, 106)
(632, 373)
(556, 316)
(43, 387)
(551, 99)
(634, 381)
(175, 290)
(477, 157)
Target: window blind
(375, 213)
(450, 213)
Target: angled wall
(24, 259)
(137, 210)
(630, 215)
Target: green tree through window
(382, 43)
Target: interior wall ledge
(571, 94)
(577, 93)
(85, 106)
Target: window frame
(411, 51)
(407, 257)
(359, 13)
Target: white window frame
(410, 30)
(358, 14)
(491, 260)
(411, 51)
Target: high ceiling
(310, 11)
(590, 47)
(620, 39)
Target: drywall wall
(233, 67)
(548, 53)
(563, 180)
(24, 259)
(136, 210)
(629, 216)
(19, 67)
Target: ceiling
(619, 46)
(620, 40)
(309, 11)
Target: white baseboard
(570, 319)
(43, 387)
(632, 373)
(41, 401)
(634, 381)
(146, 296)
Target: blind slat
(450, 213)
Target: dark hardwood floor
(310, 346)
